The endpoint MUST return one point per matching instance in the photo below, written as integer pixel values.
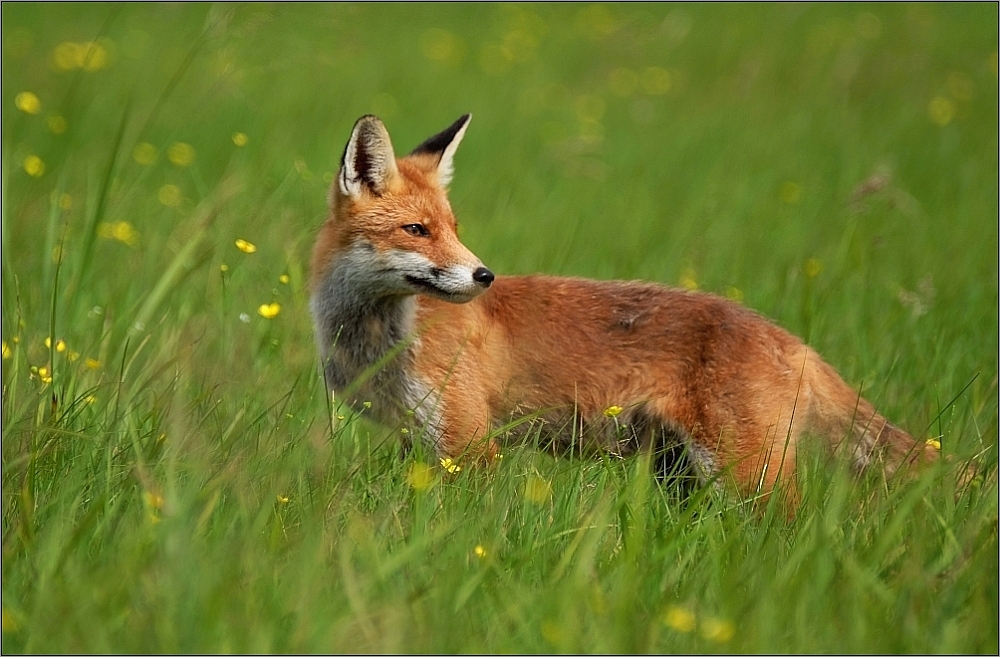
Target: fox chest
(371, 369)
(377, 389)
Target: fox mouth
(430, 288)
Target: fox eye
(417, 230)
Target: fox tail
(852, 424)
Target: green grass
(178, 486)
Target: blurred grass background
(171, 478)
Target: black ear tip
(439, 142)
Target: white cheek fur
(408, 263)
(454, 279)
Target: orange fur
(737, 390)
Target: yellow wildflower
(420, 477)
(367, 404)
(679, 618)
(170, 196)
(34, 166)
(152, 500)
(790, 192)
(144, 153)
(934, 442)
(245, 246)
(717, 630)
(90, 399)
(596, 22)
(56, 124)
(269, 310)
(552, 631)
(479, 551)
(90, 56)
(124, 232)
(92, 363)
(240, 138)
(7, 353)
(613, 411)
(442, 46)
(688, 280)
(813, 267)
(282, 499)
(404, 431)
(181, 154)
(223, 268)
(941, 110)
(65, 56)
(44, 375)
(60, 344)
(537, 490)
(28, 103)
(119, 230)
(283, 279)
(95, 57)
(451, 466)
(73, 356)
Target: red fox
(416, 328)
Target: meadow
(175, 479)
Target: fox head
(391, 230)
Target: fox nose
(483, 276)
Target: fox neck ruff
(366, 335)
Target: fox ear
(368, 159)
(443, 146)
